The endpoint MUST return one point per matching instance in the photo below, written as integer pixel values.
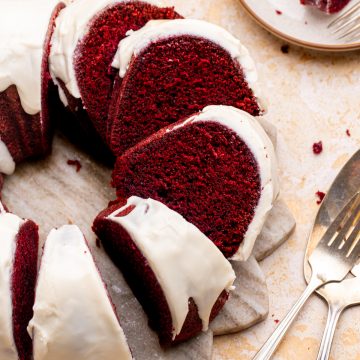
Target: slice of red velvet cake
(171, 69)
(18, 269)
(180, 278)
(329, 6)
(25, 83)
(84, 44)
(217, 169)
(73, 314)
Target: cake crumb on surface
(348, 132)
(278, 12)
(75, 163)
(320, 196)
(285, 49)
(318, 148)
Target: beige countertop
(312, 96)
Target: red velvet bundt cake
(329, 6)
(181, 279)
(18, 269)
(217, 169)
(73, 314)
(171, 69)
(25, 83)
(84, 44)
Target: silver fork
(331, 260)
(347, 25)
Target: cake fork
(334, 256)
(347, 25)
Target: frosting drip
(71, 25)
(21, 45)
(7, 163)
(185, 262)
(9, 228)
(73, 316)
(254, 136)
(156, 30)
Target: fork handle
(274, 340)
(333, 316)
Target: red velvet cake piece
(329, 6)
(180, 278)
(25, 83)
(217, 169)
(74, 318)
(171, 69)
(84, 44)
(18, 269)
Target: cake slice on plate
(73, 315)
(25, 82)
(18, 269)
(180, 278)
(84, 43)
(329, 6)
(217, 169)
(171, 69)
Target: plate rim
(294, 40)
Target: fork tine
(346, 24)
(345, 15)
(329, 234)
(345, 229)
(353, 250)
(350, 32)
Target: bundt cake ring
(73, 314)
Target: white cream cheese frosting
(21, 48)
(254, 136)
(9, 228)
(156, 30)
(7, 163)
(71, 25)
(185, 262)
(73, 316)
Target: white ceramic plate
(298, 24)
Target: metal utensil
(343, 295)
(347, 25)
(331, 260)
(346, 184)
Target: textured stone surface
(277, 228)
(248, 304)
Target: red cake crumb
(75, 163)
(328, 6)
(348, 132)
(317, 148)
(278, 12)
(321, 196)
(285, 49)
(276, 321)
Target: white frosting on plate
(156, 30)
(73, 316)
(7, 163)
(71, 25)
(9, 228)
(254, 136)
(185, 262)
(21, 48)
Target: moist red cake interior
(96, 51)
(23, 286)
(142, 280)
(51, 106)
(170, 80)
(204, 171)
(330, 6)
